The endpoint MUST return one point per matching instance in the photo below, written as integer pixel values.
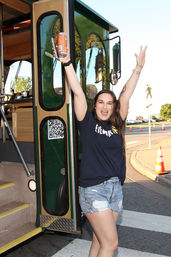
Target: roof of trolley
(20, 9)
(17, 16)
(14, 11)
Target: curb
(141, 168)
(146, 171)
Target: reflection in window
(57, 67)
(18, 78)
(52, 91)
(54, 165)
(78, 59)
(95, 66)
(57, 80)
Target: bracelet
(136, 72)
(67, 63)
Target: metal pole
(1, 52)
(2, 87)
(148, 105)
(15, 143)
(149, 129)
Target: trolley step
(17, 236)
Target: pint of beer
(62, 44)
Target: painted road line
(80, 247)
(152, 222)
(132, 142)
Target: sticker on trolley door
(55, 129)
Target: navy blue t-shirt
(102, 153)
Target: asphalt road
(158, 129)
(144, 227)
(145, 196)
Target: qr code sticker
(55, 129)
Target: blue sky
(143, 22)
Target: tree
(139, 117)
(154, 117)
(22, 84)
(165, 111)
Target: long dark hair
(115, 118)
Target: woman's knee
(110, 245)
(115, 244)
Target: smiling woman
(103, 165)
(104, 106)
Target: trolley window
(95, 65)
(51, 79)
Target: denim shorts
(106, 195)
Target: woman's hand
(140, 58)
(80, 103)
(66, 58)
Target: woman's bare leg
(104, 227)
(95, 246)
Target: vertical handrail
(2, 89)
(1, 52)
(15, 143)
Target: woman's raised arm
(80, 103)
(130, 86)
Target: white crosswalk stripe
(146, 221)
(80, 247)
(152, 222)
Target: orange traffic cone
(130, 129)
(160, 163)
(163, 126)
(140, 129)
(154, 127)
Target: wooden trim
(17, 46)
(17, 5)
(39, 8)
